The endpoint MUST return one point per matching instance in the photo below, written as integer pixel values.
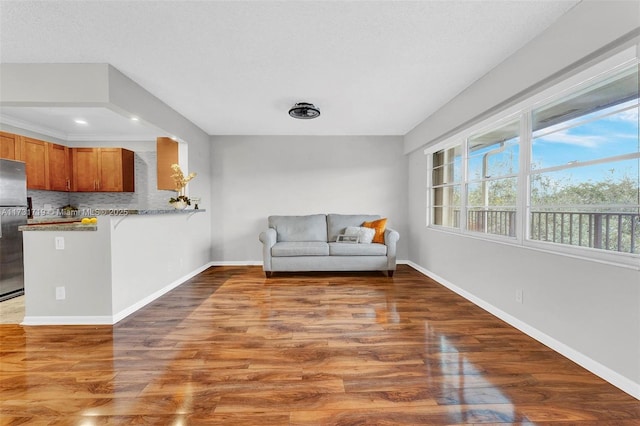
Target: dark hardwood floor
(230, 347)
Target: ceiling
(235, 67)
(96, 123)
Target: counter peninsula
(126, 261)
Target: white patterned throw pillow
(365, 234)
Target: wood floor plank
(230, 347)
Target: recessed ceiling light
(80, 121)
(135, 119)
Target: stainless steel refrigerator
(13, 213)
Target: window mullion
(463, 185)
(523, 196)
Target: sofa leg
(268, 274)
(390, 273)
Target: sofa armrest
(268, 239)
(391, 237)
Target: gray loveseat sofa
(308, 243)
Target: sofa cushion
(300, 228)
(379, 226)
(347, 249)
(300, 248)
(365, 235)
(337, 223)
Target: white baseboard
(237, 263)
(625, 384)
(68, 320)
(153, 296)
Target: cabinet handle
(68, 185)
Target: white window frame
(523, 109)
(503, 120)
(429, 204)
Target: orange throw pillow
(379, 226)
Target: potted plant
(180, 201)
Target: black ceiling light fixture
(304, 111)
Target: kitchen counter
(127, 261)
(71, 226)
(51, 219)
(58, 223)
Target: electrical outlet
(60, 293)
(519, 295)
(59, 243)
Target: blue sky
(598, 135)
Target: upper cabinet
(56, 167)
(36, 158)
(10, 146)
(85, 169)
(117, 170)
(167, 150)
(59, 167)
(102, 170)
(47, 164)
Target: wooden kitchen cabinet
(10, 146)
(116, 170)
(102, 170)
(55, 167)
(167, 152)
(85, 169)
(36, 158)
(59, 167)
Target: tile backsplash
(146, 196)
(40, 199)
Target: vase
(179, 205)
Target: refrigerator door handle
(0, 225)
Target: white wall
(152, 253)
(589, 311)
(83, 268)
(257, 176)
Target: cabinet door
(128, 171)
(116, 172)
(10, 146)
(36, 158)
(85, 169)
(59, 168)
(110, 171)
(167, 151)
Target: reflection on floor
(12, 311)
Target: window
(561, 174)
(492, 187)
(446, 195)
(585, 170)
